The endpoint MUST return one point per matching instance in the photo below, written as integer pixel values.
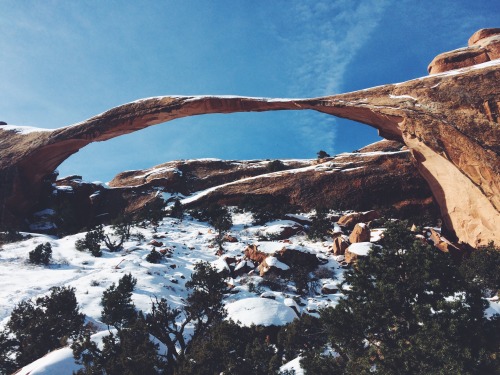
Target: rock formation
(382, 175)
(483, 46)
(449, 121)
(360, 233)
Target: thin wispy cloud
(330, 34)
(325, 37)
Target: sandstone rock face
(449, 121)
(385, 176)
(483, 46)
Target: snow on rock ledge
(356, 250)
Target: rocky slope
(449, 121)
(381, 175)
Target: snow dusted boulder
(293, 367)
(282, 229)
(290, 302)
(229, 238)
(296, 256)
(356, 250)
(221, 265)
(260, 311)
(252, 252)
(360, 233)
(329, 288)
(269, 295)
(272, 265)
(350, 220)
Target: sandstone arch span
(450, 121)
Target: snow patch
(23, 129)
(260, 311)
(361, 248)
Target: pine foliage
(45, 324)
(408, 310)
(41, 254)
(117, 306)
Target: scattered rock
(340, 245)
(229, 238)
(350, 220)
(329, 289)
(252, 253)
(360, 233)
(155, 243)
(294, 256)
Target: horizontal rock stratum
(449, 121)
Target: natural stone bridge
(450, 122)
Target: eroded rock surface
(449, 121)
(483, 46)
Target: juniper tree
(129, 351)
(220, 218)
(117, 306)
(203, 309)
(45, 324)
(41, 254)
(92, 241)
(408, 310)
(204, 303)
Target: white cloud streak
(326, 36)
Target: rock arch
(450, 121)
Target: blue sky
(65, 61)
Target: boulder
(243, 267)
(229, 238)
(252, 252)
(271, 265)
(290, 231)
(483, 46)
(292, 256)
(339, 246)
(351, 219)
(360, 233)
(329, 289)
(356, 250)
(156, 243)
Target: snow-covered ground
(189, 242)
